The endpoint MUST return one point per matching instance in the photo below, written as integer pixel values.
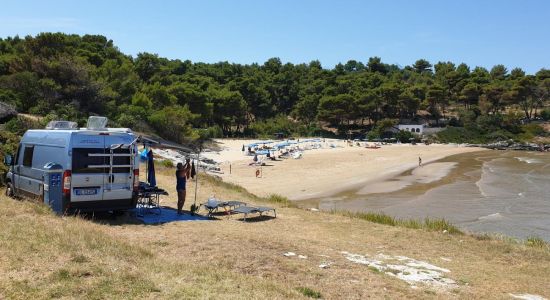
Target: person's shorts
(180, 188)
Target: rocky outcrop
(511, 145)
(6, 112)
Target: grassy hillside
(44, 256)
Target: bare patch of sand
(424, 174)
(327, 171)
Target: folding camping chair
(212, 205)
(246, 210)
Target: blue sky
(479, 33)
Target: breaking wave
(529, 160)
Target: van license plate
(85, 192)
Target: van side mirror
(8, 160)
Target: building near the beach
(414, 128)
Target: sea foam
(529, 160)
(494, 216)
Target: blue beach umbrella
(262, 152)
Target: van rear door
(119, 176)
(88, 160)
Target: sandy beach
(327, 171)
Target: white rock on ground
(408, 269)
(527, 296)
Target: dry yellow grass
(43, 256)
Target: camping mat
(166, 215)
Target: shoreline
(484, 192)
(389, 176)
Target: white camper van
(100, 165)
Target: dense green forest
(63, 76)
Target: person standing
(182, 174)
(419, 161)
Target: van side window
(27, 156)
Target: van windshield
(84, 163)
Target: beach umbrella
(151, 178)
(282, 145)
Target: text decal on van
(89, 141)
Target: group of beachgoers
(294, 148)
(274, 150)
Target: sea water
(503, 192)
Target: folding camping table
(149, 199)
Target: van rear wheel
(118, 213)
(9, 190)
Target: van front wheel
(9, 190)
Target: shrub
(309, 292)
(488, 123)
(499, 135)
(372, 135)
(537, 242)
(533, 129)
(428, 224)
(167, 163)
(211, 132)
(21, 124)
(310, 130)
(127, 120)
(280, 200)
(381, 127)
(8, 145)
(282, 124)
(173, 123)
(529, 131)
(545, 114)
(268, 127)
(455, 122)
(404, 136)
(441, 225)
(461, 135)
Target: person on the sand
(419, 161)
(182, 174)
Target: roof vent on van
(97, 123)
(61, 125)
